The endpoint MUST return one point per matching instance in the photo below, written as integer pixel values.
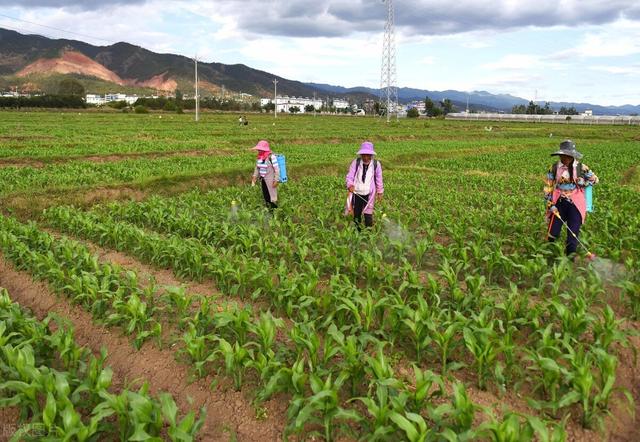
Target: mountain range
(35, 63)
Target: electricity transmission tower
(388, 74)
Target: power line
(56, 29)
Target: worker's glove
(554, 210)
(581, 182)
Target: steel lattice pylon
(388, 75)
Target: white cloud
(621, 39)
(427, 61)
(618, 70)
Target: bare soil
(9, 422)
(109, 158)
(228, 412)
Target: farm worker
(564, 192)
(267, 170)
(364, 182)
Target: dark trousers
(359, 203)
(267, 198)
(571, 215)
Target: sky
(552, 50)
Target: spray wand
(590, 256)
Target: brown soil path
(228, 412)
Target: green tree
(519, 109)
(71, 86)
(309, 108)
(413, 113)
(170, 106)
(294, 109)
(429, 107)
(447, 106)
(568, 111)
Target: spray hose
(589, 254)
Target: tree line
(43, 101)
(536, 109)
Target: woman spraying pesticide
(268, 171)
(565, 194)
(365, 185)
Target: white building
(98, 100)
(340, 103)
(420, 105)
(285, 103)
(103, 99)
(588, 113)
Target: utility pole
(197, 95)
(275, 100)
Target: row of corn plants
(111, 295)
(64, 392)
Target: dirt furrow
(109, 158)
(227, 411)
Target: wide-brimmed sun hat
(263, 146)
(568, 147)
(366, 148)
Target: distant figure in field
(242, 121)
(267, 171)
(365, 185)
(564, 192)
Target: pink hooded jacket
(379, 189)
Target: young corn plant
(322, 407)
(413, 426)
(196, 348)
(593, 392)
(415, 321)
(514, 427)
(137, 316)
(455, 419)
(574, 318)
(609, 330)
(380, 407)
(236, 360)
(551, 380)
(427, 387)
(178, 300)
(181, 430)
(286, 379)
(234, 323)
(351, 350)
(444, 331)
(481, 340)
